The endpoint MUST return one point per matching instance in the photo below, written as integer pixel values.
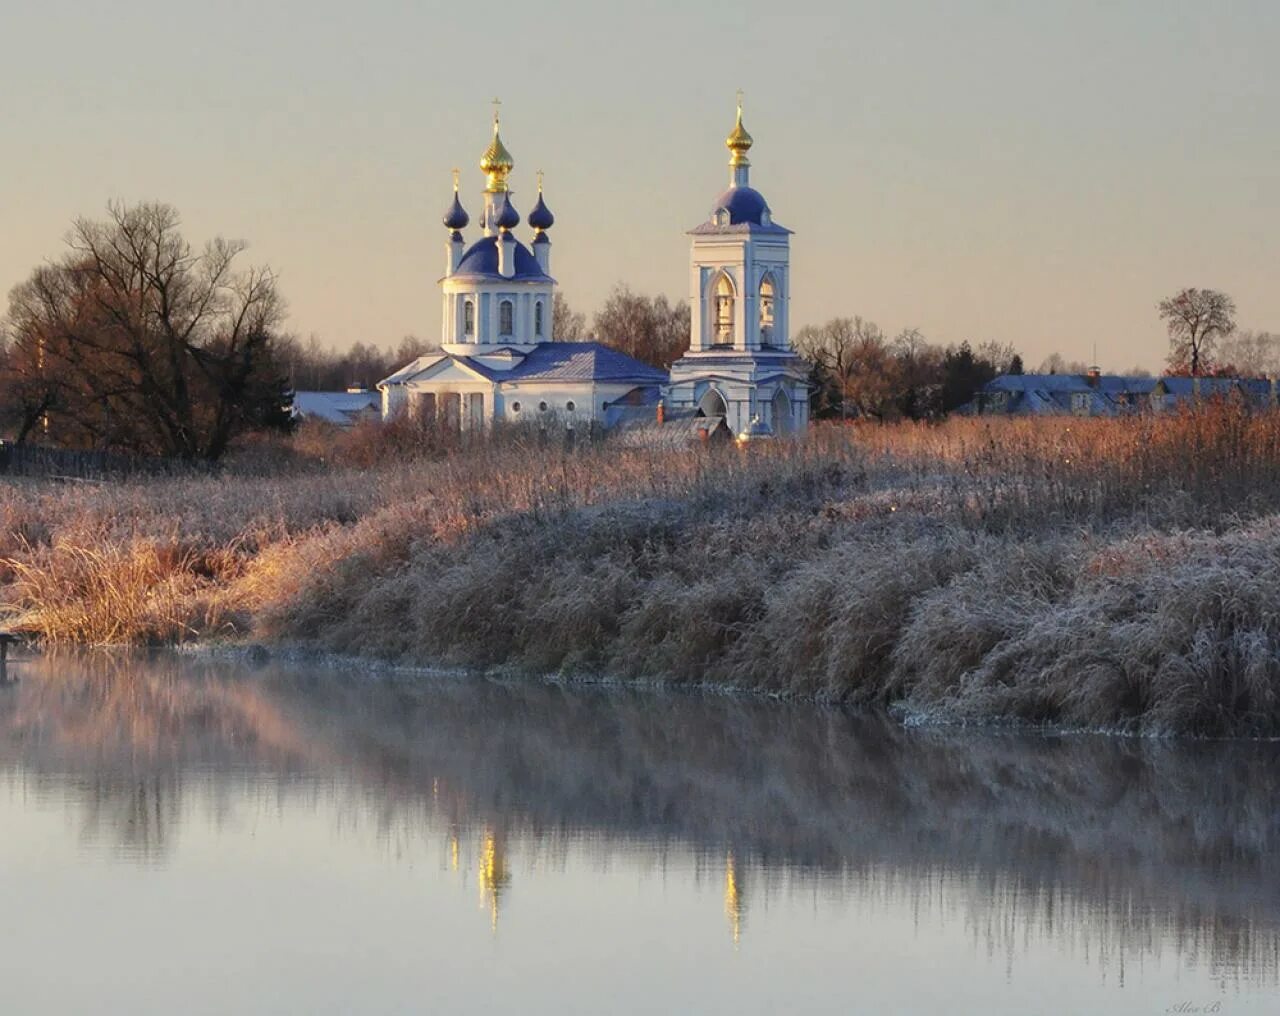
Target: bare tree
(1056, 363)
(1250, 354)
(999, 354)
(854, 360)
(1196, 319)
(567, 325)
(651, 329)
(142, 345)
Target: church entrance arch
(712, 404)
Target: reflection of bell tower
(494, 875)
(734, 902)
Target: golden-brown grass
(1113, 573)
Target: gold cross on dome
(456, 174)
(539, 181)
(496, 103)
(740, 100)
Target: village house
(342, 409)
(1096, 394)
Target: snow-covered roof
(1107, 394)
(642, 430)
(342, 408)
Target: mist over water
(192, 835)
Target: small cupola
(739, 142)
(456, 217)
(541, 218)
(508, 217)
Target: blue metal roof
(573, 361)
(744, 204)
(481, 259)
(747, 210)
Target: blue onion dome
(456, 217)
(541, 217)
(508, 218)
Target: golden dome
(738, 141)
(496, 162)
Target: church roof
(547, 361)
(748, 213)
(481, 260)
(574, 361)
(744, 204)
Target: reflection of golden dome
(733, 901)
(496, 162)
(494, 876)
(738, 142)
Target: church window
(570, 406)
(724, 312)
(537, 319)
(468, 318)
(542, 407)
(506, 317)
(515, 407)
(766, 310)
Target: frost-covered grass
(1092, 573)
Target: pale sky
(1033, 173)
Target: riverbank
(1089, 574)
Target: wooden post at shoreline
(5, 641)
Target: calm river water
(187, 836)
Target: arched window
(515, 407)
(724, 312)
(766, 310)
(537, 319)
(570, 406)
(468, 318)
(542, 407)
(506, 317)
(782, 419)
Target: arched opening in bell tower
(766, 310)
(725, 297)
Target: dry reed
(1099, 573)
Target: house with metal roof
(499, 359)
(342, 409)
(1097, 394)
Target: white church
(500, 360)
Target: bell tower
(739, 296)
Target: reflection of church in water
(493, 878)
(500, 359)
